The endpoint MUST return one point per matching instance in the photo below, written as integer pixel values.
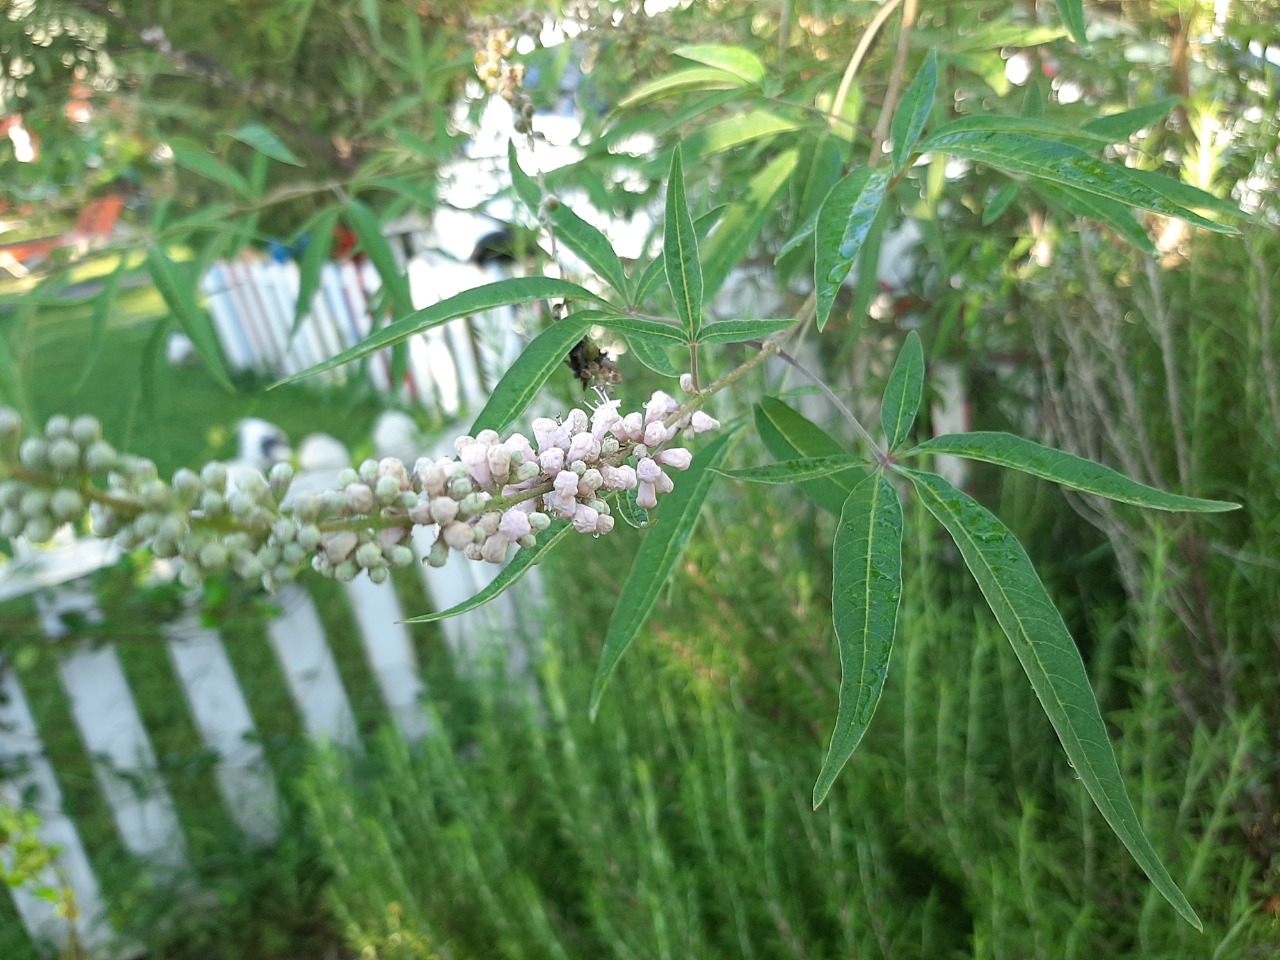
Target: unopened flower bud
(359, 498)
(100, 457)
(686, 382)
(388, 490)
(368, 556)
(401, 556)
(34, 453)
(457, 535)
(57, 427)
(379, 575)
(10, 423)
(215, 476)
(66, 505)
(677, 457)
(86, 430)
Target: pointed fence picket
(251, 304)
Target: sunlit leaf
(737, 130)
(1027, 126)
(661, 550)
(743, 221)
(1117, 216)
(736, 60)
(691, 78)
(1008, 450)
(866, 587)
(1051, 661)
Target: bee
(592, 365)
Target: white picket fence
(251, 303)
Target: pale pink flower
(583, 447)
(646, 496)
(701, 423)
(515, 524)
(585, 519)
(648, 471)
(677, 457)
(551, 461)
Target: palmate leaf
(844, 220)
(1051, 661)
(680, 252)
(866, 586)
(1007, 450)
(518, 566)
(499, 294)
(902, 393)
(658, 555)
(522, 381)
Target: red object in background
(344, 241)
(96, 221)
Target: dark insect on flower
(591, 365)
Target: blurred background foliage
(677, 825)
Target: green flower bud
(57, 427)
(309, 537)
(64, 454)
(66, 505)
(10, 423)
(11, 492)
(212, 504)
(187, 486)
(369, 471)
(34, 504)
(154, 494)
(39, 529)
(213, 555)
(292, 554)
(100, 457)
(401, 556)
(215, 476)
(368, 556)
(34, 453)
(347, 476)
(189, 576)
(345, 571)
(379, 574)
(387, 490)
(11, 524)
(86, 430)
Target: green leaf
(571, 230)
(199, 162)
(1027, 126)
(626, 507)
(369, 232)
(652, 330)
(1000, 203)
(913, 111)
(1118, 127)
(744, 219)
(866, 586)
(680, 252)
(1093, 207)
(788, 436)
(522, 381)
(314, 257)
(102, 305)
(1072, 13)
(420, 193)
(735, 131)
(1067, 166)
(653, 354)
(1051, 661)
(499, 294)
(260, 138)
(518, 566)
(736, 331)
(1007, 450)
(657, 557)
(902, 393)
(654, 271)
(1186, 195)
(179, 296)
(843, 222)
(372, 19)
(735, 60)
(691, 78)
(796, 471)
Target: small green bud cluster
(496, 494)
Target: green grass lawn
(177, 416)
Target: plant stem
(859, 54)
(909, 10)
(882, 458)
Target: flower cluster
(494, 494)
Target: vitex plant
(578, 470)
